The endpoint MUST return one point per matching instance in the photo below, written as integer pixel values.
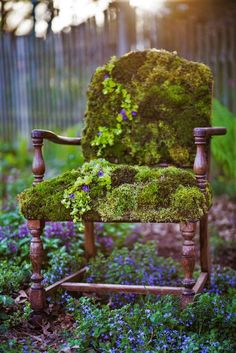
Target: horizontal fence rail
(43, 82)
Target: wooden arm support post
(38, 166)
(202, 136)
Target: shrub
(224, 151)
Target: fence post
(126, 29)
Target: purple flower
(85, 188)
(106, 77)
(123, 112)
(134, 113)
(106, 242)
(22, 231)
(99, 228)
(99, 133)
(100, 173)
(124, 117)
(12, 247)
(72, 196)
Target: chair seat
(137, 194)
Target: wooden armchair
(144, 112)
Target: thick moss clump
(43, 201)
(173, 96)
(138, 193)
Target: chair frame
(37, 293)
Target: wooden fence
(212, 42)
(43, 81)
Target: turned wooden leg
(188, 261)
(205, 261)
(37, 292)
(90, 248)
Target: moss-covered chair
(144, 111)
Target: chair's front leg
(188, 261)
(37, 292)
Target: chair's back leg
(205, 261)
(89, 244)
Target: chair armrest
(209, 131)
(61, 140)
(201, 137)
(38, 165)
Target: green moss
(127, 66)
(173, 96)
(118, 203)
(122, 174)
(179, 154)
(43, 201)
(138, 193)
(188, 201)
(147, 196)
(169, 96)
(168, 177)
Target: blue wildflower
(134, 113)
(72, 196)
(85, 188)
(99, 133)
(123, 113)
(100, 173)
(106, 77)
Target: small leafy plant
(128, 111)
(93, 179)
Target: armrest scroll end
(209, 131)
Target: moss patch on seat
(142, 109)
(137, 193)
(43, 201)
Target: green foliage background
(224, 151)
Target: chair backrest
(142, 108)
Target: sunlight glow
(74, 12)
(24, 27)
(69, 13)
(17, 15)
(41, 27)
(148, 5)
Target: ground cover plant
(116, 323)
